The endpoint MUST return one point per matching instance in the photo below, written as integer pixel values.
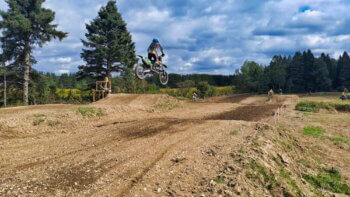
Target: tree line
(108, 48)
(301, 73)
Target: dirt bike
(147, 67)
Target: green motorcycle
(147, 67)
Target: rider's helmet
(155, 40)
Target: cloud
(63, 72)
(207, 36)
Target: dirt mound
(247, 113)
(134, 99)
(227, 99)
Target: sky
(206, 36)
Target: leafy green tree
(255, 79)
(322, 80)
(203, 88)
(109, 46)
(26, 25)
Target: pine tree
(331, 67)
(343, 72)
(322, 80)
(295, 74)
(309, 68)
(109, 47)
(26, 25)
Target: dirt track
(133, 149)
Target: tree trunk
(26, 79)
(5, 90)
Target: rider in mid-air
(153, 51)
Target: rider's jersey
(153, 48)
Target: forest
(109, 51)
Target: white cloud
(61, 60)
(62, 72)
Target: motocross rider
(153, 51)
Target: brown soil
(154, 145)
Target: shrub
(311, 106)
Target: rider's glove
(163, 55)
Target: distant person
(270, 94)
(343, 96)
(281, 91)
(346, 90)
(153, 51)
(194, 96)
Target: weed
(39, 115)
(241, 151)
(90, 111)
(313, 131)
(52, 123)
(38, 122)
(286, 175)
(219, 180)
(234, 133)
(304, 162)
(338, 139)
(330, 180)
(269, 178)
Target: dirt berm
(155, 145)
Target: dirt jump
(148, 145)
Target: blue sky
(205, 36)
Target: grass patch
(234, 133)
(330, 180)
(90, 111)
(314, 106)
(269, 179)
(39, 115)
(38, 122)
(219, 180)
(241, 151)
(287, 176)
(338, 139)
(52, 123)
(313, 131)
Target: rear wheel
(163, 78)
(140, 71)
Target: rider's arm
(161, 49)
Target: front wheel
(140, 71)
(163, 78)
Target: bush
(311, 106)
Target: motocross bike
(147, 67)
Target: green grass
(269, 178)
(338, 139)
(219, 180)
(315, 106)
(234, 133)
(38, 122)
(330, 180)
(39, 115)
(313, 131)
(287, 176)
(241, 151)
(90, 111)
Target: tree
(343, 72)
(295, 74)
(331, 67)
(276, 72)
(3, 72)
(322, 80)
(255, 79)
(309, 67)
(26, 25)
(109, 47)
